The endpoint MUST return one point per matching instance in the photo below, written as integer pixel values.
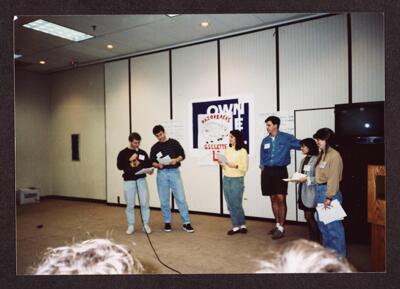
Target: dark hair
(274, 120)
(134, 136)
(158, 128)
(311, 145)
(237, 134)
(327, 135)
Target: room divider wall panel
(368, 57)
(248, 67)
(117, 124)
(195, 77)
(150, 103)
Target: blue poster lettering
(239, 110)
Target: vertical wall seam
(105, 130)
(130, 96)
(350, 60)
(277, 68)
(170, 84)
(221, 189)
(171, 116)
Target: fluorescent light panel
(57, 30)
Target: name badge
(141, 157)
(159, 155)
(267, 146)
(322, 165)
(307, 168)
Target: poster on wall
(175, 129)
(286, 117)
(212, 120)
(287, 124)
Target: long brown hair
(327, 135)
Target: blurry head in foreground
(302, 256)
(95, 256)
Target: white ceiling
(129, 34)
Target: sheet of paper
(334, 212)
(289, 180)
(221, 158)
(296, 177)
(165, 160)
(144, 171)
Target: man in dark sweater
(131, 160)
(166, 155)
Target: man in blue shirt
(274, 157)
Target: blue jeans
(332, 233)
(130, 189)
(233, 193)
(170, 180)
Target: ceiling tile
(129, 34)
(130, 38)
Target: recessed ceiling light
(42, 62)
(110, 46)
(15, 17)
(16, 56)
(172, 15)
(204, 24)
(57, 30)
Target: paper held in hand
(144, 171)
(332, 213)
(222, 158)
(165, 160)
(296, 177)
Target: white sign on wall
(175, 129)
(286, 117)
(287, 123)
(213, 135)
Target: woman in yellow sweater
(234, 170)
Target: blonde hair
(302, 256)
(94, 256)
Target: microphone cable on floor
(147, 235)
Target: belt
(323, 184)
(276, 167)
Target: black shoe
(243, 230)
(167, 227)
(272, 231)
(277, 234)
(232, 232)
(188, 228)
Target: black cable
(148, 237)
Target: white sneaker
(147, 229)
(130, 229)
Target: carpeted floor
(52, 223)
